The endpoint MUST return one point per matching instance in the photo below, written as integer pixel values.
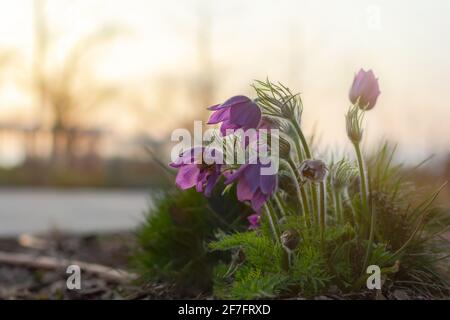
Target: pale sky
(314, 47)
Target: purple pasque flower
(196, 170)
(255, 221)
(238, 112)
(365, 90)
(252, 185)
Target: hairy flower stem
(322, 211)
(299, 149)
(302, 198)
(363, 185)
(315, 201)
(269, 213)
(337, 198)
(308, 155)
(371, 234)
(349, 205)
(280, 204)
(302, 138)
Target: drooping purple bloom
(365, 90)
(255, 221)
(194, 171)
(252, 185)
(238, 112)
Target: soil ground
(21, 282)
(109, 250)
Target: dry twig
(51, 263)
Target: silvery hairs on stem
(277, 101)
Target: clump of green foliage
(404, 248)
(172, 242)
(321, 236)
(265, 271)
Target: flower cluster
(324, 222)
(194, 169)
(276, 107)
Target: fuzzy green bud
(290, 239)
(353, 124)
(238, 257)
(313, 170)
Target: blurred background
(86, 86)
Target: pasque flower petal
(255, 221)
(243, 191)
(212, 181)
(219, 116)
(194, 172)
(238, 112)
(246, 115)
(253, 176)
(252, 185)
(187, 176)
(258, 200)
(268, 183)
(365, 89)
(234, 175)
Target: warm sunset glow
(314, 47)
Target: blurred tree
(206, 77)
(39, 58)
(72, 94)
(67, 93)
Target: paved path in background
(36, 210)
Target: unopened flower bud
(290, 239)
(238, 257)
(313, 170)
(286, 111)
(343, 173)
(365, 90)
